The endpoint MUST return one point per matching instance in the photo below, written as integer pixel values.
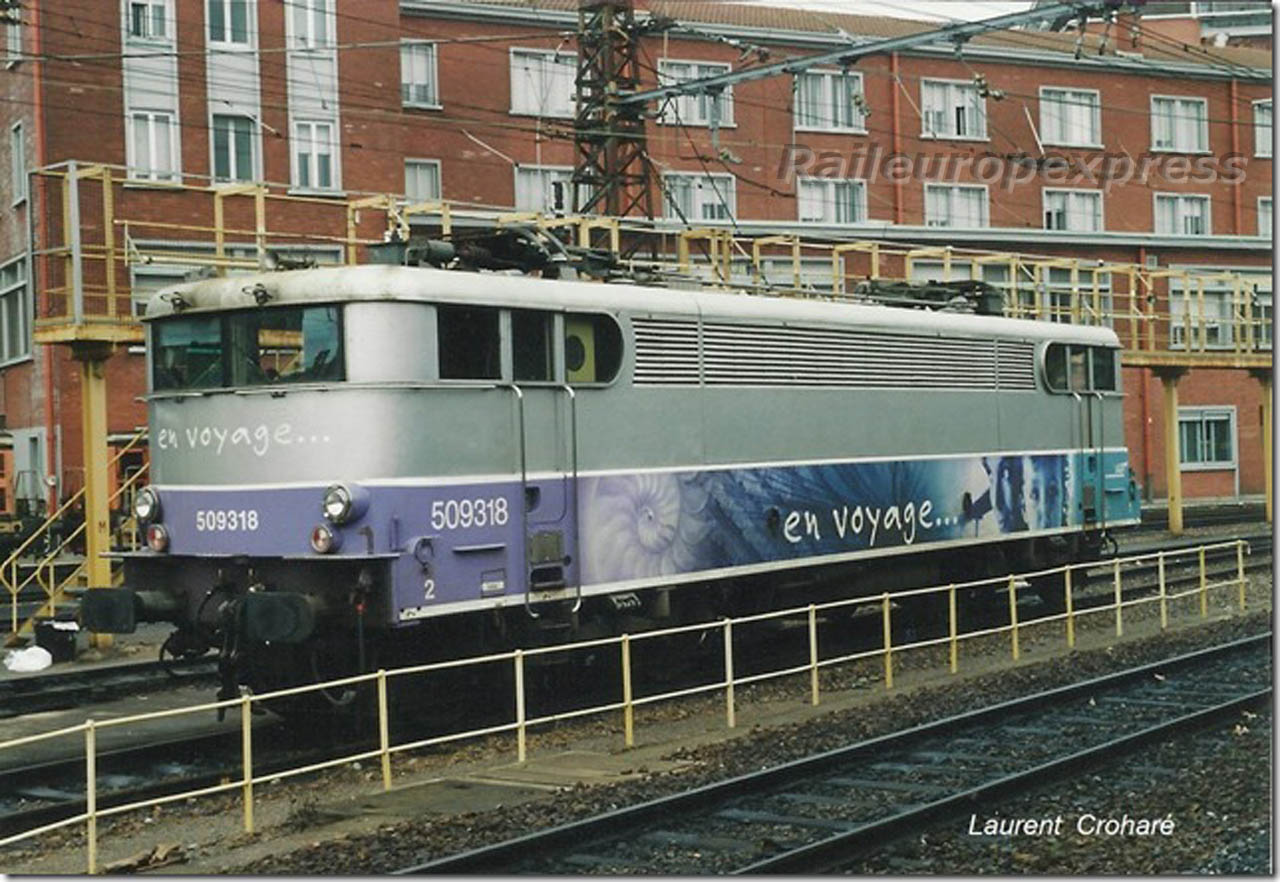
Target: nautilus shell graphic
(641, 526)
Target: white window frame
(12, 38)
(314, 154)
(1262, 135)
(1201, 414)
(949, 111)
(1269, 231)
(831, 186)
(1066, 91)
(251, 25)
(986, 204)
(829, 77)
(1176, 147)
(563, 172)
(433, 49)
(1069, 192)
(435, 163)
(690, 110)
(136, 171)
(255, 149)
(21, 294)
(1199, 197)
(18, 163)
(306, 37)
(545, 105)
(166, 9)
(725, 184)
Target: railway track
(818, 814)
(74, 688)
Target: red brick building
(1028, 141)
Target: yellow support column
(97, 515)
(1264, 377)
(1172, 456)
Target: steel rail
(504, 856)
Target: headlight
(337, 503)
(343, 503)
(157, 538)
(323, 540)
(146, 505)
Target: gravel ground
(295, 837)
(1207, 783)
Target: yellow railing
(625, 645)
(11, 569)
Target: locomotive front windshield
(250, 348)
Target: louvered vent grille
(744, 355)
(666, 352)
(741, 355)
(1016, 363)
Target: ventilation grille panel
(666, 352)
(1016, 365)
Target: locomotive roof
(374, 282)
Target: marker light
(157, 538)
(146, 505)
(323, 540)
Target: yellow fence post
(953, 628)
(384, 729)
(628, 712)
(1071, 612)
(813, 655)
(1119, 602)
(888, 642)
(1240, 569)
(1204, 587)
(1013, 618)
(1164, 593)
(521, 747)
(91, 795)
(730, 718)
(246, 752)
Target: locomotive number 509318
(226, 519)
(453, 514)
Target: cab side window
(531, 346)
(468, 342)
(592, 348)
(1080, 368)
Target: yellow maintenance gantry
(102, 241)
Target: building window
(313, 152)
(953, 205)
(148, 20)
(1070, 117)
(1077, 210)
(153, 152)
(694, 197)
(229, 22)
(544, 188)
(952, 110)
(13, 40)
(830, 101)
(233, 150)
(418, 74)
(311, 24)
(1207, 321)
(831, 201)
(542, 83)
(1264, 216)
(18, 164)
(1178, 215)
(1180, 125)
(699, 109)
(1206, 437)
(1262, 128)
(15, 312)
(422, 180)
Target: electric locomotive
(362, 466)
